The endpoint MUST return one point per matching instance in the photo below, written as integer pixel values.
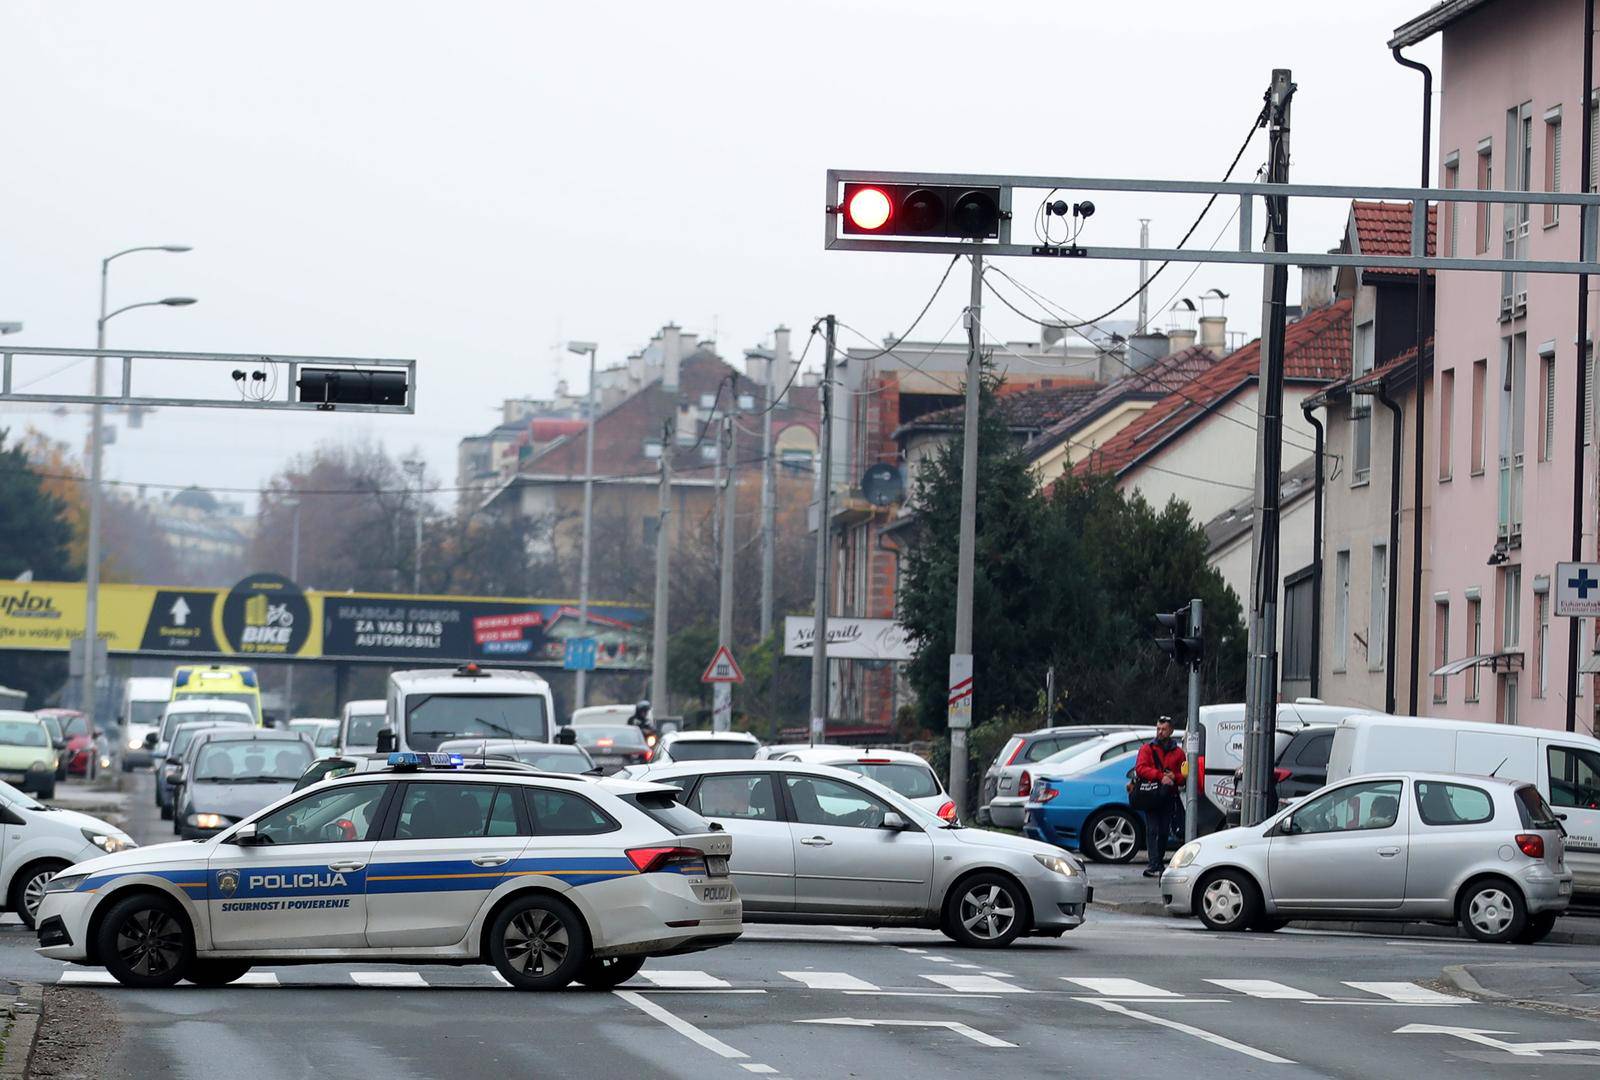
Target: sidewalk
(1573, 988)
(1122, 889)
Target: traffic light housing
(1177, 643)
(328, 387)
(927, 210)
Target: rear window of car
(665, 810)
(905, 778)
(1440, 803)
(1315, 751)
(1004, 756)
(1040, 749)
(607, 738)
(713, 750)
(1535, 812)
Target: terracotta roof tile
(1384, 228)
(1316, 348)
(1028, 408)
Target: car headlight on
(1058, 864)
(110, 843)
(135, 744)
(207, 821)
(64, 882)
(1186, 855)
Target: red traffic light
(869, 209)
(925, 211)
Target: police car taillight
(650, 859)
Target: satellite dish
(881, 485)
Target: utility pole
(294, 575)
(1581, 424)
(1191, 730)
(819, 604)
(959, 714)
(1144, 278)
(722, 707)
(658, 643)
(417, 469)
(1261, 704)
(580, 687)
(769, 494)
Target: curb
(1462, 979)
(24, 1015)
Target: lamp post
(91, 607)
(416, 470)
(580, 689)
(293, 504)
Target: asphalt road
(1123, 997)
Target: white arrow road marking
(982, 1038)
(1189, 1029)
(1410, 993)
(180, 612)
(678, 1024)
(828, 980)
(1485, 1037)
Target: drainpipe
(1316, 554)
(1424, 317)
(1396, 445)
(1578, 453)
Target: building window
(1361, 406)
(1481, 210)
(1475, 638)
(1511, 608)
(1541, 644)
(1547, 405)
(1509, 711)
(1450, 210)
(1297, 658)
(1447, 408)
(1441, 649)
(1480, 377)
(1513, 365)
(1378, 618)
(1519, 166)
(1341, 610)
(1552, 163)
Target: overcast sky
(471, 183)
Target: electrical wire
(937, 289)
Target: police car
(550, 878)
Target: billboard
(848, 639)
(267, 616)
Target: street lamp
(581, 680)
(416, 469)
(91, 607)
(293, 505)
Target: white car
(679, 746)
(549, 878)
(37, 842)
(359, 724)
(324, 734)
(897, 770)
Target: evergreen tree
(35, 536)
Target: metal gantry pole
(819, 604)
(1262, 677)
(658, 644)
(769, 502)
(580, 690)
(294, 576)
(91, 603)
(722, 711)
(959, 711)
(1191, 730)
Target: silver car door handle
(346, 867)
(1388, 852)
(491, 860)
(817, 841)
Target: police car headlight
(1187, 854)
(110, 843)
(64, 882)
(207, 821)
(1058, 864)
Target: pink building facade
(1502, 406)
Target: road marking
(1264, 988)
(1000, 974)
(685, 980)
(750, 1066)
(939, 959)
(982, 1038)
(391, 979)
(917, 993)
(986, 984)
(970, 967)
(678, 1024)
(1410, 993)
(1483, 1037)
(257, 978)
(828, 980)
(914, 952)
(87, 978)
(1189, 1029)
(1122, 988)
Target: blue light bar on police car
(410, 759)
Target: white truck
(432, 705)
(144, 699)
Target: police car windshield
(23, 733)
(433, 718)
(243, 761)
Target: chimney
(782, 365)
(688, 344)
(1145, 349)
(1214, 334)
(757, 364)
(1316, 287)
(1179, 340)
(671, 356)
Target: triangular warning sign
(723, 668)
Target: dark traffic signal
(1177, 643)
(966, 213)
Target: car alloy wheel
(1114, 838)
(33, 895)
(536, 943)
(987, 912)
(151, 943)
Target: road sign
(580, 654)
(723, 668)
(959, 715)
(1578, 589)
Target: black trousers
(1157, 826)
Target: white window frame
(1475, 636)
(1363, 344)
(1441, 646)
(1552, 134)
(1341, 610)
(1378, 616)
(1511, 608)
(1541, 645)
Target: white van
(143, 700)
(429, 706)
(1222, 740)
(1564, 766)
(359, 724)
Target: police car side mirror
(387, 743)
(566, 736)
(246, 836)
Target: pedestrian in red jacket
(1160, 760)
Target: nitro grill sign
(848, 639)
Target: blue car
(1088, 811)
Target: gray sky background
(471, 183)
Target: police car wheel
(610, 972)
(216, 972)
(538, 943)
(145, 941)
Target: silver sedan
(813, 843)
(1487, 853)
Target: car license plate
(712, 893)
(717, 866)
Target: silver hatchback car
(1484, 852)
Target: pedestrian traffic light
(967, 213)
(1177, 643)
